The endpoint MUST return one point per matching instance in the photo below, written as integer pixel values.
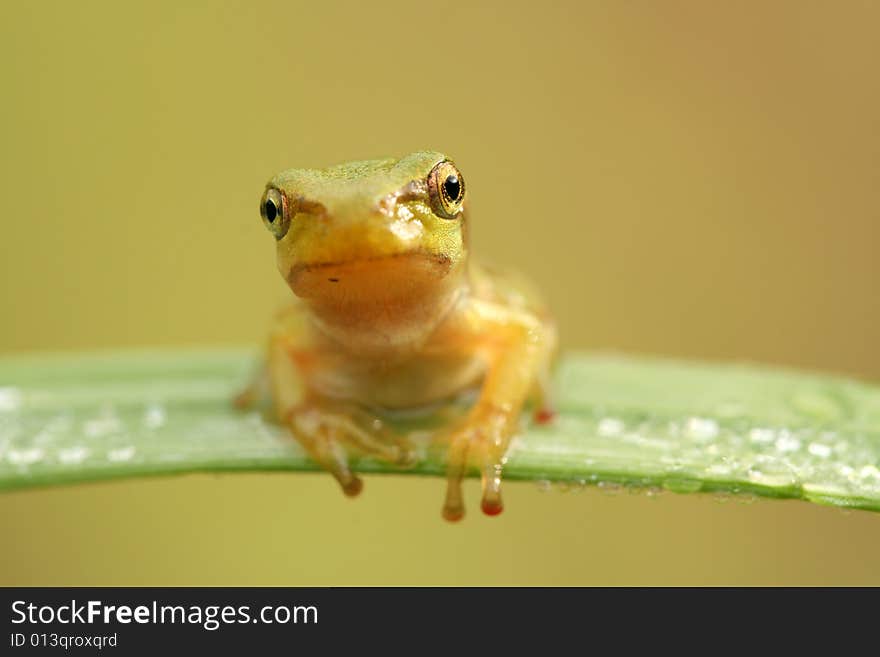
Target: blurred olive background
(681, 178)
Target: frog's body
(391, 315)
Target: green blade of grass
(622, 421)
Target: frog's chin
(390, 299)
(396, 277)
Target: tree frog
(390, 314)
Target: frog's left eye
(446, 190)
(275, 211)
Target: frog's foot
(246, 398)
(249, 396)
(545, 409)
(324, 433)
(544, 415)
(481, 442)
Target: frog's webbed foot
(325, 429)
(481, 442)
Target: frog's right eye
(275, 212)
(446, 190)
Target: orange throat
(382, 303)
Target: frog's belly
(405, 384)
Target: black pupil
(271, 211)
(452, 187)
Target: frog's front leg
(518, 347)
(323, 426)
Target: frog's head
(388, 232)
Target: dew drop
(610, 427)
(121, 454)
(154, 417)
(787, 442)
(700, 428)
(25, 456)
(821, 450)
(869, 471)
(762, 435)
(73, 455)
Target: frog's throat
(381, 303)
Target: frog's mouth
(396, 277)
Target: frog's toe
(491, 503)
(249, 396)
(352, 486)
(492, 507)
(480, 443)
(544, 415)
(321, 440)
(453, 506)
(334, 460)
(246, 399)
(453, 512)
(337, 465)
(456, 468)
(370, 435)
(391, 449)
(407, 456)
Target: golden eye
(446, 190)
(275, 212)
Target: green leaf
(623, 421)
